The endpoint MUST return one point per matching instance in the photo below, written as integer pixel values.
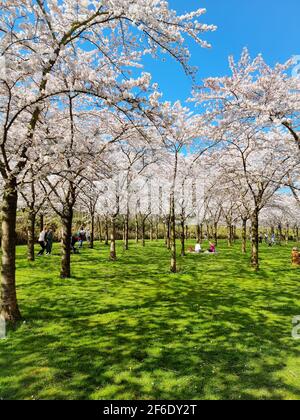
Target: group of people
(198, 249)
(269, 240)
(46, 241)
(78, 238)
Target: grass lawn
(131, 330)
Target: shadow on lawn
(208, 333)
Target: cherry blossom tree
(259, 167)
(88, 42)
(267, 96)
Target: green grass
(131, 330)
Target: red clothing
(212, 248)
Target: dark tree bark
(67, 220)
(41, 222)
(187, 233)
(201, 233)
(208, 232)
(143, 231)
(9, 304)
(216, 233)
(92, 230)
(168, 233)
(182, 237)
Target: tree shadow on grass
(218, 331)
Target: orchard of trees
(84, 129)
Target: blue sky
(270, 27)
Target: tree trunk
(126, 231)
(244, 236)
(216, 233)
(182, 237)
(151, 229)
(100, 229)
(173, 267)
(287, 234)
(41, 222)
(136, 229)
(187, 232)
(233, 233)
(255, 240)
(198, 234)
(123, 229)
(92, 230)
(280, 233)
(9, 308)
(143, 232)
(208, 231)
(157, 230)
(169, 232)
(113, 254)
(31, 235)
(106, 231)
(229, 235)
(67, 220)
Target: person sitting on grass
(198, 248)
(212, 248)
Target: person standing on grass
(273, 240)
(49, 242)
(81, 235)
(42, 241)
(74, 239)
